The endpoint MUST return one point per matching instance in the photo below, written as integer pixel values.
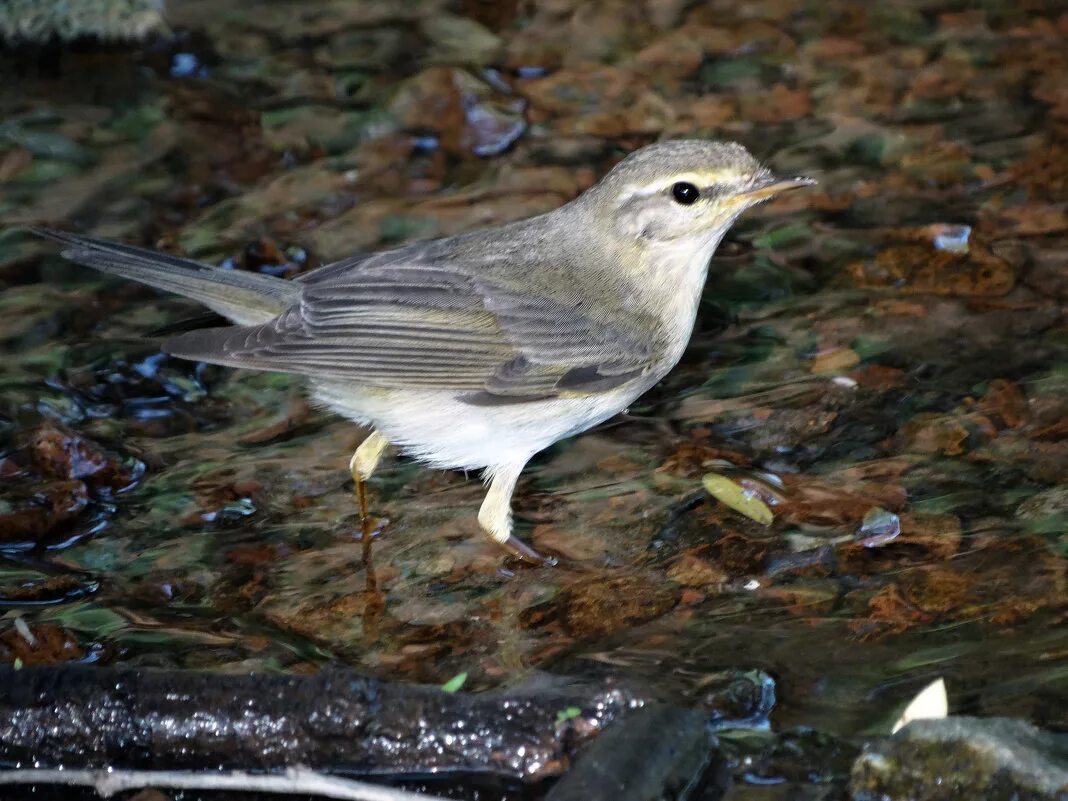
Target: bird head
(686, 188)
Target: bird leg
(495, 516)
(362, 465)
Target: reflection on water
(887, 349)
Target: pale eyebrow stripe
(700, 179)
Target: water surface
(894, 340)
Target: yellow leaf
(744, 501)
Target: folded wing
(413, 325)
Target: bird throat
(678, 269)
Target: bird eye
(685, 193)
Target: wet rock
(996, 759)
(460, 40)
(465, 115)
(47, 591)
(300, 191)
(65, 455)
(1046, 510)
(824, 501)
(779, 104)
(911, 269)
(1005, 404)
(689, 570)
(738, 698)
(316, 129)
(802, 756)
(653, 753)
(511, 195)
(950, 435)
(938, 534)
(678, 54)
(559, 33)
(605, 102)
(29, 514)
(41, 644)
(152, 393)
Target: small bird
(477, 351)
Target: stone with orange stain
(946, 434)
(597, 607)
(830, 501)
(605, 101)
(779, 104)
(940, 591)
(691, 597)
(1043, 171)
(921, 269)
(939, 534)
(710, 111)
(1004, 403)
(468, 116)
(554, 539)
(64, 454)
(320, 620)
(889, 612)
(33, 513)
(675, 55)
(690, 570)
(834, 360)
(878, 377)
(617, 464)
(39, 644)
(1027, 219)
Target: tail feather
(245, 298)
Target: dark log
(336, 721)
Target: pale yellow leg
(362, 465)
(495, 515)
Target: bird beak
(764, 188)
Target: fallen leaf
(931, 703)
(742, 500)
(455, 683)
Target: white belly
(438, 429)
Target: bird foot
(523, 552)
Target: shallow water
(854, 342)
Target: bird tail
(243, 297)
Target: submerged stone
(996, 759)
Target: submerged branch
(294, 781)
